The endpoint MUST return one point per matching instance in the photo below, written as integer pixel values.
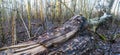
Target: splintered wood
(53, 36)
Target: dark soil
(96, 46)
(109, 46)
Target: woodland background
(21, 20)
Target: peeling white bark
(98, 20)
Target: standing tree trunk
(29, 17)
(14, 27)
(110, 5)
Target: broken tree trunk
(53, 36)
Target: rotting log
(53, 36)
(61, 34)
(74, 46)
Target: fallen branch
(32, 51)
(17, 46)
(96, 21)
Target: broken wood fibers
(51, 37)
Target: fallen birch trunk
(54, 36)
(79, 44)
(96, 21)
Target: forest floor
(109, 46)
(101, 47)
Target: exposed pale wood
(32, 51)
(62, 33)
(61, 39)
(30, 47)
(17, 46)
(57, 35)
